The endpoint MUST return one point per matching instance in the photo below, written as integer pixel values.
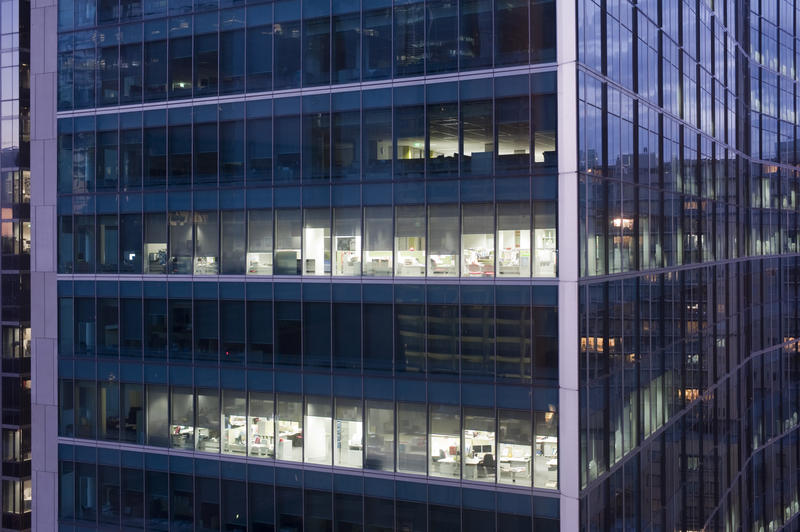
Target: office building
(15, 228)
(421, 266)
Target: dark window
(259, 48)
(180, 329)
(378, 336)
(232, 51)
(317, 334)
(287, 333)
(259, 332)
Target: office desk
(515, 465)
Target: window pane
(231, 51)
(155, 156)
(66, 408)
(85, 327)
(133, 410)
(477, 338)
(511, 32)
(349, 444)
(206, 145)
(262, 506)
(133, 497)
(317, 242)
(409, 131)
(317, 139)
(347, 240)
(443, 130)
(378, 337)
(480, 456)
(377, 41)
(259, 333)
(410, 347)
(378, 241)
(477, 136)
(107, 159)
(443, 241)
(206, 231)
(445, 445)
(234, 505)
(346, 48)
(380, 436)
(155, 328)
(157, 409)
(409, 42)
(316, 49)
(317, 431)
(206, 53)
(234, 422)
(182, 419)
(208, 420)
(109, 494)
(477, 241)
(261, 423)
(155, 61)
(290, 428)
(287, 148)
(180, 151)
(130, 72)
(180, 242)
(108, 327)
(130, 245)
(287, 54)
(157, 506)
(544, 239)
(259, 242)
(513, 342)
(409, 241)
(377, 132)
(231, 156)
(347, 335)
(544, 128)
(232, 331)
(346, 139)
(108, 419)
(180, 58)
(84, 244)
(107, 243)
(180, 329)
(259, 149)
(259, 48)
(287, 242)
(411, 438)
(232, 245)
(513, 240)
(155, 243)
(512, 121)
(476, 34)
(181, 502)
(206, 338)
(442, 36)
(514, 447)
(546, 460)
(86, 503)
(317, 334)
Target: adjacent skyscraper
(418, 266)
(15, 229)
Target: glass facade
(687, 126)
(307, 265)
(137, 490)
(15, 264)
(120, 53)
